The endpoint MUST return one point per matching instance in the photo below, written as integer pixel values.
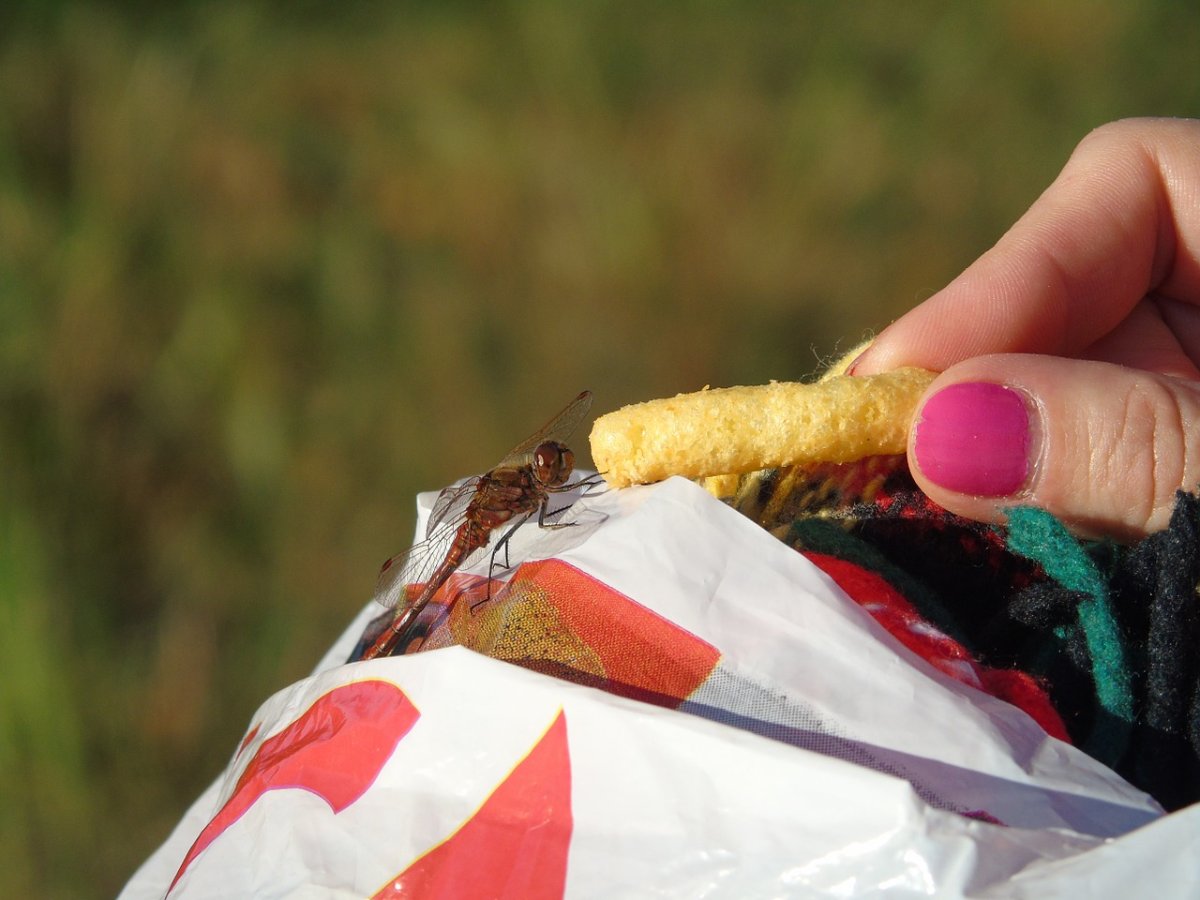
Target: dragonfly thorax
(552, 463)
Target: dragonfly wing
(414, 566)
(557, 429)
(451, 505)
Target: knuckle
(1151, 451)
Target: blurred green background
(267, 270)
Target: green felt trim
(1037, 535)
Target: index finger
(1122, 220)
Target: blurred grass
(266, 274)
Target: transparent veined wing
(414, 566)
(451, 505)
(559, 428)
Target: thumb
(1101, 446)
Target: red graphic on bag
(553, 618)
(334, 750)
(515, 845)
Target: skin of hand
(1068, 352)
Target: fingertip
(880, 355)
(848, 361)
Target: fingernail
(974, 438)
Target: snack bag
(663, 700)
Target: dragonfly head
(552, 463)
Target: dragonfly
(465, 516)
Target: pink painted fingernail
(974, 438)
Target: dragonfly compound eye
(552, 462)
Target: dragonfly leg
(503, 544)
(594, 480)
(544, 512)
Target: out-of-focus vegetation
(266, 274)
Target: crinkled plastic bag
(672, 704)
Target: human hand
(1069, 351)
